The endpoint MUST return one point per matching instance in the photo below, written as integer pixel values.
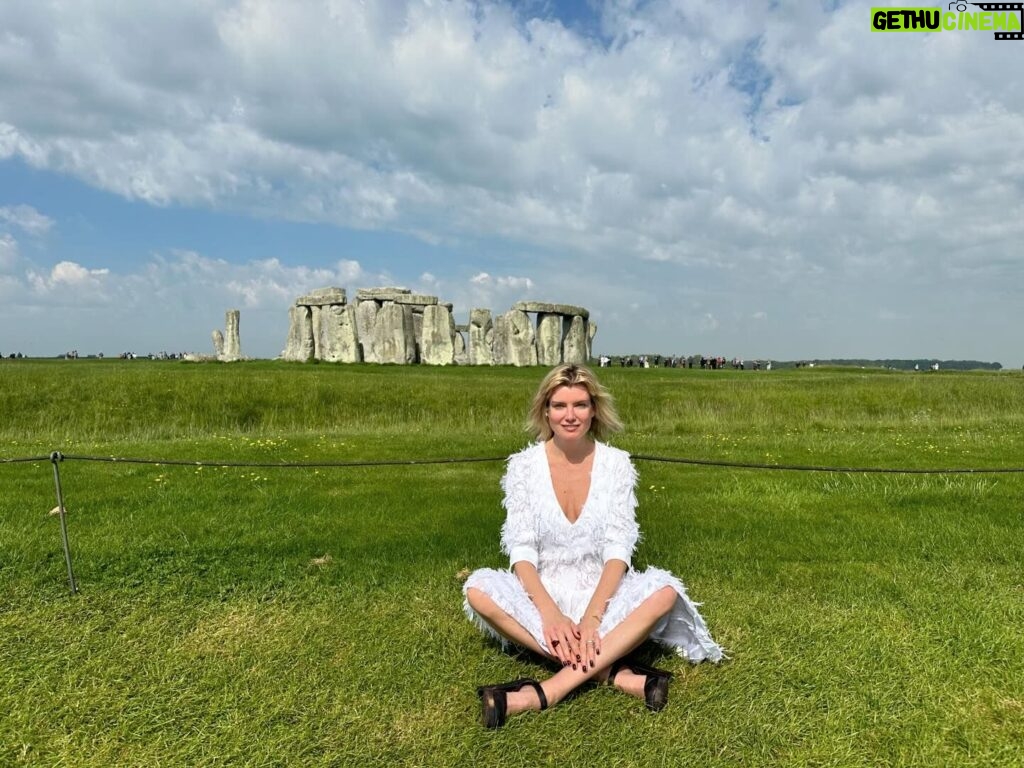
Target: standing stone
(591, 333)
(481, 337)
(291, 344)
(232, 342)
(340, 343)
(366, 319)
(417, 331)
(461, 358)
(514, 339)
(218, 344)
(549, 339)
(318, 332)
(574, 349)
(438, 344)
(394, 339)
(299, 347)
(307, 347)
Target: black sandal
(494, 700)
(655, 686)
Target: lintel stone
(380, 294)
(415, 299)
(322, 297)
(552, 309)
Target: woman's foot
(522, 700)
(499, 701)
(629, 682)
(647, 683)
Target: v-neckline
(554, 493)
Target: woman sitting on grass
(570, 530)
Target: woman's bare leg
(633, 630)
(502, 623)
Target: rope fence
(56, 457)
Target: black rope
(58, 456)
(284, 464)
(814, 468)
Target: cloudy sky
(758, 179)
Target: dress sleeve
(519, 533)
(622, 532)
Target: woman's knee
(664, 600)
(479, 601)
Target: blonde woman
(571, 594)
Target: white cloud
(26, 218)
(694, 138)
(69, 273)
(8, 252)
(69, 281)
(502, 281)
(515, 283)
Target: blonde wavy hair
(605, 422)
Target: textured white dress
(570, 556)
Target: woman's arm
(621, 535)
(590, 639)
(560, 632)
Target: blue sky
(769, 181)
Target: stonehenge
(396, 326)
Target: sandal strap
(643, 669)
(637, 669)
(540, 693)
(616, 667)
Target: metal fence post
(55, 458)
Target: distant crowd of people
(73, 355)
(682, 361)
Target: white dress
(570, 556)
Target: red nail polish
(574, 666)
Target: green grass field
(271, 616)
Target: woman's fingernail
(584, 667)
(574, 666)
(577, 657)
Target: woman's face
(570, 413)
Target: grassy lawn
(271, 616)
